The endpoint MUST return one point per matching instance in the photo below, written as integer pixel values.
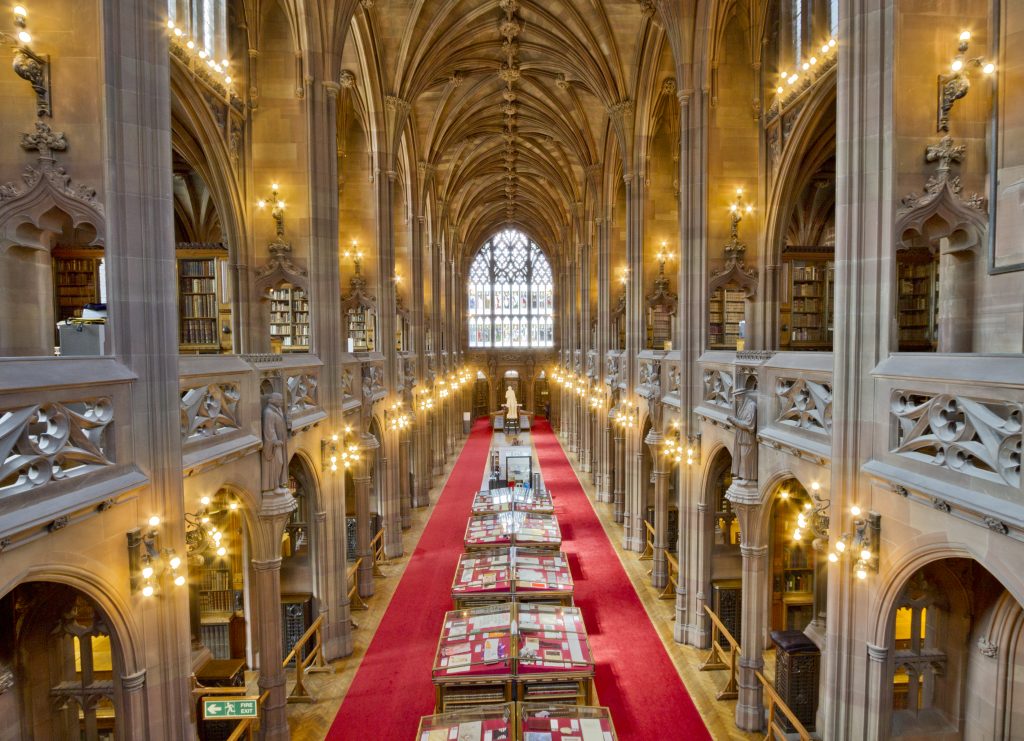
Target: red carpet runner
(392, 686)
(635, 677)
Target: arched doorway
(954, 626)
(60, 665)
(721, 550)
(542, 396)
(481, 396)
(298, 556)
(794, 560)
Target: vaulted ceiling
(516, 110)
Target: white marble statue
(511, 405)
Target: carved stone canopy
(662, 297)
(49, 204)
(941, 212)
(280, 268)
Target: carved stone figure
(275, 439)
(744, 456)
(512, 406)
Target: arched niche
(731, 291)
(204, 280)
(52, 234)
(61, 665)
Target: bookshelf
(362, 329)
(216, 606)
(793, 565)
(289, 317)
(812, 288)
(76, 281)
(727, 307)
(198, 307)
(918, 299)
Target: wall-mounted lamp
(396, 418)
(664, 254)
(424, 399)
(955, 85)
(28, 65)
(355, 254)
(628, 414)
(147, 562)
(339, 451)
(861, 545)
(809, 67)
(277, 208)
(200, 59)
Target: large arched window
(511, 295)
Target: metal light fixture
(148, 562)
(277, 208)
(860, 545)
(396, 417)
(199, 59)
(335, 451)
(956, 84)
(28, 65)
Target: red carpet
(635, 677)
(392, 686)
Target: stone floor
(311, 722)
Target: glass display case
(543, 722)
(521, 574)
(517, 498)
(513, 528)
(485, 723)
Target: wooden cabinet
(296, 617)
(917, 277)
(200, 273)
(727, 307)
(76, 281)
(811, 299)
(289, 317)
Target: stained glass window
(510, 294)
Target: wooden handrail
(648, 552)
(377, 550)
(672, 577)
(313, 662)
(775, 731)
(249, 725)
(718, 658)
(355, 602)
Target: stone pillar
(659, 567)
(363, 480)
(750, 703)
(404, 488)
(878, 700)
(424, 464)
(273, 515)
(132, 720)
(618, 491)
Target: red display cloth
(392, 687)
(635, 677)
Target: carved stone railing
(797, 389)
(954, 440)
(219, 398)
(718, 378)
(671, 379)
(66, 447)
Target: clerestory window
(510, 294)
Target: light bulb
(224, 63)
(805, 66)
(217, 535)
(957, 65)
(334, 468)
(175, 562)
(154, 521)
(170, 23)
(807, 506)
(280, 204)
(273, 186)
(797, 535)
(204, 520)
(824, 48)
(855, 511)
(841, 546)
(989, 68)
(261, 203)
(222, 551)
(965, 35)
(177, 32)
(832, 557)
(179, 581)
(147, 591)
(205, 501)
(815, 486)
(813, 60)
(147, 572)
(233, 506)
(865, 555)
(832, 43)
(862, 573)
(801, 521)
(24, 37)
(783, 494)
(793, 78)
(192, 45)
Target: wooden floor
(311, 722)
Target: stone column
(404, 490)
(878, 700)
(273, 515)
(618, 492)
(132, 720)
(363, 480)
(659, 567)
(750, 703)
